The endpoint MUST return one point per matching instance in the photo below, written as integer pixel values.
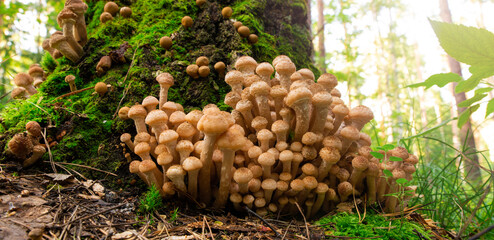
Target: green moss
(373, 226)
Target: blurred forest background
(376, 48)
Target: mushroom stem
(300, 101)
(226, 176)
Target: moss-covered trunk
(83, 128)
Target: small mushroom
(112, 8)
(166, 81)
(25, 81)
(200, 2)
(204, 71)
(101, 88)
(243, 31)
(105, 17)
(70, 79)
(125, 12)
(192, 165)
(237, 24)
(252, 38)
(220, 68)
(103, 66)
(187, 22)
(166, 42)
(227, 12)
(193, 71)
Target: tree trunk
(320, 36)
(472, 169)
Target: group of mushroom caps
(288, 140)
(28, 82)
(70, 41)
(27, 146)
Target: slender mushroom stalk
(212, 125)
(236, 199)
(184, 149)
(25, 81)
(329, 156)
(261, 92)
(268, 185)
(134, 168)
(297, 159)
(165, 160)
(234, 79)
(248, 200)
(345, 189)
(176, 174)
(245, 108)
(339, 111)
(59, 42)
(285, 69)
(321, 102)
(392, 201)
(192, 166)
(229, 142)
(266, 160)
(46, 46)
(70, 79)
(170, 138)
(372, 175)
(359, 164)
(38, 151)
(126, 138)
(263, 137)
(79, 8)
(278, 93)
(166, 81)
(153, 174)
(66, 20)
(300, 101)
(321, 190)
(157, 120)
(242, 177)
(138, 113)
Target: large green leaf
(463, 118)
(490, 108)
(440, 80)
(479, 95)
(473, 46)
(478, 73)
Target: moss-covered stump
(83, 128)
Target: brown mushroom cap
(246, 64)
(166, 42)
(227, 12)
(328, 80)
(202, 61)
(111, 7)
(156, 117)
(123, 113)
(204, 71)
(20, 145)
(125, 12)
(219, 67)
(35, 71)
(101, 88)
(69, 78)
(187, 22)
(244, 31)
(18, 93)
(104, 65)
(23, 80)
(253, 39)
(105, 17)
(200, 2)
(33, 128)
(193, 70)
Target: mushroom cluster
(244, 32)
(288, 141)
(111, 9)
(200, 68)
(26, 145)
(28, 82)
(72, 39)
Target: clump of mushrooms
(26, 146)
(289, 140)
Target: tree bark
(471, 167)
(320, 31)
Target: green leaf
(490, 108)
(379, 148)
(395, 159)
(387, 173)
(377, 155)
(401, 181)
(440, 80)
(479, 95)
(479, 72)
(388, 147)
(473, 46)
(463, 118)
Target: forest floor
(63, 206)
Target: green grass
(150, 201)
(372, 226)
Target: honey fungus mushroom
(187, 22)
(125, 12)
(166, 42)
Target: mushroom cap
(278, 91)
(412, 159)
(169, 106)
(232, 98)
(227, 12)
(345, 188)
(259, 122)
(165, 79)
(330, 154)
(125, 12)
(310, 182)
(296, 77)
(111, 7)
(260, 88)
(296, 146)
(306, 73)
(246, 64)
(286, 155)
(125, 137)
(237, 24)
(219, 66)
(142, 148)
(77, 6)
(105, 17)
(269, 184)
(310, 138)
(194, 116)
(297, 185)
(264, 135)
(373, 169)
(168, 136)
(266, 159)
(254, 152)
(332, 141)
(398, 173)
(335, 92)
(187, 22)
(69, 78)
(200, 3)
(322, 98)
(252, 38)
(33, 128)
(185, 145)
(20, 145)
(175, 171)
(204, 71)
(202, 61)
(137, 111)
(400, 152)
(234, 77)
(242, 175)
(322, 188)
(186, 130)
(244, 31)
(66, 15)
(280, 126)
(147, 166)
(249, 80)
(265, 69)
(23, 80)
(192, 70)
(309, 169)
(166, 42)
(342, 174)
(236, 198)
(299, 94)
(191, 164)
(243, 105)
(361, 113)
(35, 71)
(248, 199)
(360, 163)
(350, 133)
(156, 117)
(213, 123)
(164, 158)
(280, 58)
(123, 113)
(150, 101)
(142, 137)
(232, 139)
(328, 80)
(101, 88)
(176, 118)
(285, 67)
